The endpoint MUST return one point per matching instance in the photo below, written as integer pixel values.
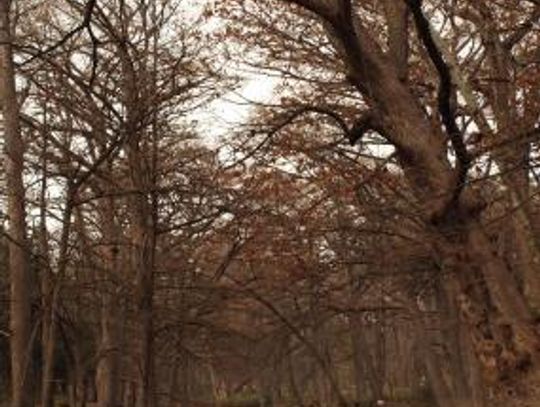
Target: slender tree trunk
(47, 281)
(77, 387)
(128, 394)
(143, 241)
(20, 290)
(142, 232)
(48, 344)
(173, 384)
(295, 391)
(107, 374)
(362, 380)
(53, 293)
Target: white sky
(234, 108)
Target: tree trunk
(53, 294)
(20, 289)
(142, 231)
(449, 209)
(495, 314)
(143, 241)
(107, 372)
(173, 384)
(47, 283)
(128, 394)
(48, 347)
(296, 392)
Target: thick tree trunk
(499, 326)
(495, 308)
(20, 301)
(463, 367)
(423, 154)
(513, 158)
(442, 346)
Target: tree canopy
(270, 203)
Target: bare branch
(85, 24)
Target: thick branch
(397, 18)
(374, 74)
(368, 121)
(446, 107)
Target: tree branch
(85, 24)
(446, 107)
(368, 121)
(523, 29)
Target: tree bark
(20, 289)
(107, 373)
(142, 231)
(47, 280)
(50, 323)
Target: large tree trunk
(20, 290)
(513, 159)
(513, 156)
(441, 348)
(497, 325)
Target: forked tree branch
(446, 107)
(85, 24)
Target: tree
(366, 83)
(20, 289)
(367, 231)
